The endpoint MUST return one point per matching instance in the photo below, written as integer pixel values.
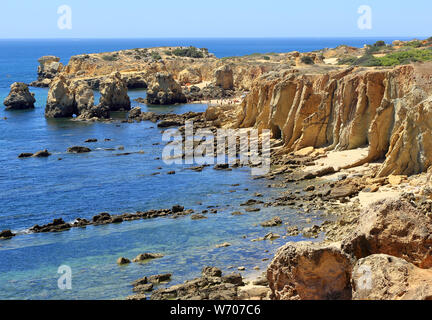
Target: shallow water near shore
(34, 191)
(117, 177)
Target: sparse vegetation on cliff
(190, 52)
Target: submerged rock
(41, 154)
(6, 234)
(19, 97)
(274, 222)
(78, 149)
(123, 261)
(147, 256)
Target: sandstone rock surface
(224, 78)
(114, 93)
(395, 228)
(19, 97)
(165, 90)
(384, 277)
(306, 271)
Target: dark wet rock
(252, 209)
(274, 222)
(147, 256)
(148, 287)
(19, 97)
(25, 155)
(251, 202)
(177, 209)
(41, 154)
(117, 220)
(293, 231)
(123, 261)
(78, 149)
(160, 278)
(237, 213)
(80, 223)
(6, 234)
(198, 217)
(103, 217)
(221, 167)
(135, 113)
(91, 140)
(170, 123)
(171, 173)
(211, 272)
(57, 225)
(211, 286)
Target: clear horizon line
(237, 37)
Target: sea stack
(19, 97)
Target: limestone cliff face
(386, 109)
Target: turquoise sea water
(34, 191)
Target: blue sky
(220, 18)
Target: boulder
(135, 113)
(114, 93)
(123, 261)
(384, 277)
(41, 154)
(84, 98)
(392, 227)
(19, 97)
(147, 256)
(78, 149)
(190, 76)
(165, 90)
(6, 234)
(306, 271)
(274, 222)
(224, 78)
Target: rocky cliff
(388, 110)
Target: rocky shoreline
(351, 143)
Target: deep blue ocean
(34, 191)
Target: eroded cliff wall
(390, 110)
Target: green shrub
(155, 55)
(266, 58)
(109, 57)
(307, 60)
(190, 52)
(380, 43)
(405, 57)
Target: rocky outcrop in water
(165, 90)
(49, 67)
(387, 109)
(114, 93)
(19, 97)
(66, 99)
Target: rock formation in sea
(49, 67)
(19, 97)
(165, 90)
(114, 93)
(66, 99)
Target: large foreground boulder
(114, 93)
(165, 90)
(383, 277)
(393, 227)
(19, 97)
(306, 271)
